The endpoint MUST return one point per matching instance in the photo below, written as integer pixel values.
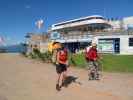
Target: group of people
(60, 59)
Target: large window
(130, 41)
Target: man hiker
(61, 66)
(91, 56)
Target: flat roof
(79, 19)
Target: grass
(78, 60)
(110, 63)
(117, 63)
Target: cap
(93, 44)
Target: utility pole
(104, 12)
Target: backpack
(91, 54)
(63, 55)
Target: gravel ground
(25, 79)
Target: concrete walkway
(25, 79)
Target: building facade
(36, 41)
(78, 33)
(112, 36)
(115, 43)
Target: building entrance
(75, 46)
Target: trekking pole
(101, 68)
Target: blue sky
(17, 17)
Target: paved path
(25, 79)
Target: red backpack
(91, 54)
(63, 55)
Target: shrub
(46, 56)
(78, 60)
(31, 55)
(36, 53)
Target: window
(130, 41)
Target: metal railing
(76, 36)
(92, 34)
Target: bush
(77, 60)
(46, 56)
(31, 55)
(36, 53)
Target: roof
(79, 19)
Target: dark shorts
(61, 68)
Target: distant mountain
(14, 48)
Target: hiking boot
(93, 75)
(63, 84)
(97, 76)
(90, 78)
(58, 88)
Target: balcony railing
(88, 35)
(76, 36)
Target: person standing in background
(92, 57)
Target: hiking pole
(101, 68)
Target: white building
(78, 32)
(119, 24)
(116, 25)
(128, 22)
(92, 22)
(36, 41)
(122, 44)
(111, 36)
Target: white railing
(76, 36)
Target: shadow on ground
(69, 80)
